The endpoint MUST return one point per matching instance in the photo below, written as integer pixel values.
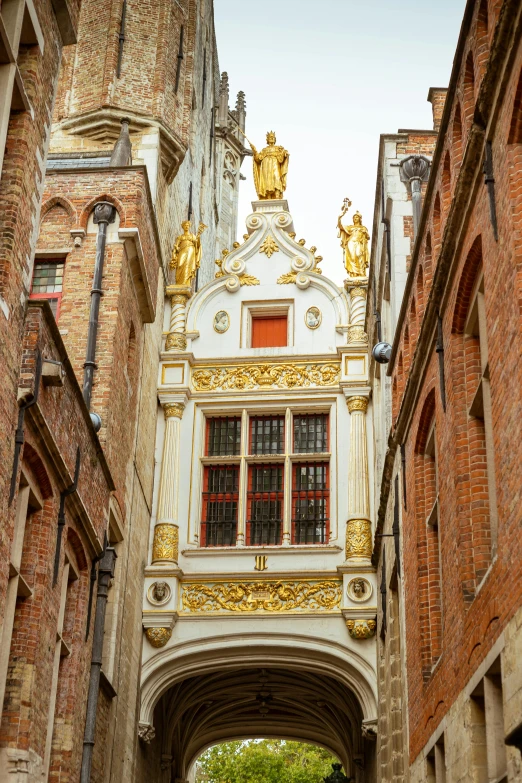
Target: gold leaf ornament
(269, 246)
(264, 596)
(283, 376)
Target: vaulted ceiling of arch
(201, 711)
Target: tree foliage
(264, 761)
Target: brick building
(447, 543)
(133, 151)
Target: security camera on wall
(382, 352)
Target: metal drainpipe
(105, 574)
(104, 213)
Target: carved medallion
(313, 318)
(221, 321)
(159, 593)
(359, 589)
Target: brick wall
(448, 638)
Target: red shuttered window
(269, 331)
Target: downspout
(105, 574)
(104, 213)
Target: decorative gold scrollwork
(262, 596)
(165, 544)
(358, 538)
(283, 376)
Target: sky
(329, 76)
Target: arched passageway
(194, 705)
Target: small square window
(269, 331)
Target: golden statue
(270, 169)
(354, 242)
(186, 254)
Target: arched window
(428, 536)
(469, 90)
(472, 385)
(446, 185)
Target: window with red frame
(265, 503)
(48, 282)
(310, 503)
(221, 482)
(220, 504)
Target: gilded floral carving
(176, 340)
(361, 629)
(158, 637)
(165, 544)
(283, 376)
(262, 596)
(357, 404)
(173, 409)
(269, 246)
(358, 538)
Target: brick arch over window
(429, 582)
(74, 541)
(33, 460)
(456, 135)
(515, 128)
(446, 184)
(469, 89)
(436, 223)
(482, 37)
(89, 207)
(57, 201)
(466, 283)
(420, 290)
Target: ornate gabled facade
(260, 598)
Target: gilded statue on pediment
(186, 254)
(270, 169)
(354, 242)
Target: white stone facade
(223, 600)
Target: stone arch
(319, 691)
(88, 208)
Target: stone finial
(223, 85)
(223, 100)
(122, 152)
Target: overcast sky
(329, 76)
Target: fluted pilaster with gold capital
(166, 536)
(358, 528)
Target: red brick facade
(461, 573)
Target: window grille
(267, 435)
(220, 504)
(310, 503)
(265, 502)
(223, 437)
(310, 434)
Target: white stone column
(165, 545)
(358, 528)
(176, 338)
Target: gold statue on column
(354, 242)
(186, 254)
(270, 169)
